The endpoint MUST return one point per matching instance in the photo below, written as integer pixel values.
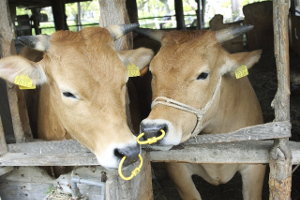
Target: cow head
(87, 80)
(187, 80)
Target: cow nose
(152, 130)
(131, 154)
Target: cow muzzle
(131, 154)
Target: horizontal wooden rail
(207, 149)
(73, 154)
(266, 131)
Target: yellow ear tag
(24, 82)
(133, 70)
(241, 71)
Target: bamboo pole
(280, 180)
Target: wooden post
(114, 12)
(179, 14)
(132, 11)
(3, 147)
(36, 21)
(16, 99)
(58, 9)
(280, 180)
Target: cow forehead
(184, 51)
(88, 55)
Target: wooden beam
(16, 99)
(3, 147)
(258, 132)
(115, 12)
(280, 180)
(71, 153)
(59, 14)
(179, 14)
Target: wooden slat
(71, 153)
(3, 147)
(16, 99)
(114, 12)
(280, 179)
(259, 132)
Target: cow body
(191, 72)
(84, 93)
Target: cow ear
(140, 57)
(13, 66)
(237, 59)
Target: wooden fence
(247, 145)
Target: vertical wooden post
(36, 20)
(3, 147)
(59, 14)
(114, 12)
(16, 99)
(179, 14)
(280, 180)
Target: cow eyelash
(69, 95)
(203, 76)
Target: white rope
(200, 113)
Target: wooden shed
(242, 146)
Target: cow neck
(200, 113)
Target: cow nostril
(131, 154)
(153, 130)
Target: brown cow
(84, 88)
(195, 92)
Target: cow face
(187, 83)
(87, 83)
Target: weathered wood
(260, 15)
(233, 45)
(16, 98)
(280, 179)
(140, 187)
(259, 132)
(114, 12)
(3, 147)
(5, 170)
(59, 14)
(179, 15)
(71, 153)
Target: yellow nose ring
(150, 140)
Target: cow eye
(203, 76)
(69, 95)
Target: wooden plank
(5, 170)
(258, 132)
(179, 14)
(280, 180)
(114, 12)
(16, 99)
(3, 147)
(235, 152)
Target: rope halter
(200, 113)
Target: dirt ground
(264, 80)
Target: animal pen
(267, 143)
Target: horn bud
(151, 33)
(232, 32)
(38, 42)
(117, 31)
